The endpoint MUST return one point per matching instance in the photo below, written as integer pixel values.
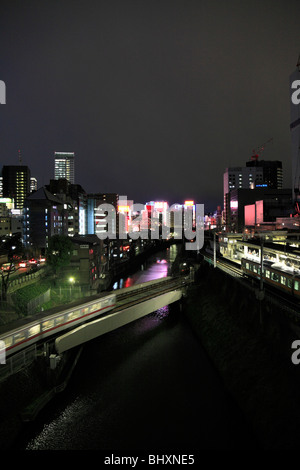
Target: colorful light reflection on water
(157, 268)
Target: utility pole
(215, 251)
(261, 283)
(261, 286)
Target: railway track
(146, 293)
(288, 305)
(225, 266)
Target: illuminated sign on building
(161, 205)
(189, 203)
(123, 208)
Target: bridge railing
(17, 362)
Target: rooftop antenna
(20, 157)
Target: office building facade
(257, 174)
(16, 183)
(271, 173)
(64, 166)
(268, 204)
(43, 218)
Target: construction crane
(257, 152)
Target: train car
(47, 326)
(287, 280)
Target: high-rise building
(256, 174)
(43, 218)
(75, 205)
(295, 131)
(271, 173)
(64, 166)
(239, 178)
(16, 183)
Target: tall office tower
(1, 186)
(64, 166)
(272, 172)
(256, 174)
(33, 184)
(239, 178)
(16, 183)
(295, 131)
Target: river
(148, 385)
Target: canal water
(146, 386)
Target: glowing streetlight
(71, 281)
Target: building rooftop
(42, 194)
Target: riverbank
(253, 360)
(24, 394)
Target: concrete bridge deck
(131, 305)
(100, 313)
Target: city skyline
(150, 227)
(158, 99)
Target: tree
(59, 252)
(13, 247)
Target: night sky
(156, 98)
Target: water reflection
(156, 267)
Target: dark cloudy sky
(156, 98)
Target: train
(54, 323)
(277, 275)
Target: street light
(71, 281)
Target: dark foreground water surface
(146, 386)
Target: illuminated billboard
(123, 208)
(161, 206)
(189, 203)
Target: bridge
(131, 304)
(68, 328)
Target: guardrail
(20, 280)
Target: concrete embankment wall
(253, 359)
